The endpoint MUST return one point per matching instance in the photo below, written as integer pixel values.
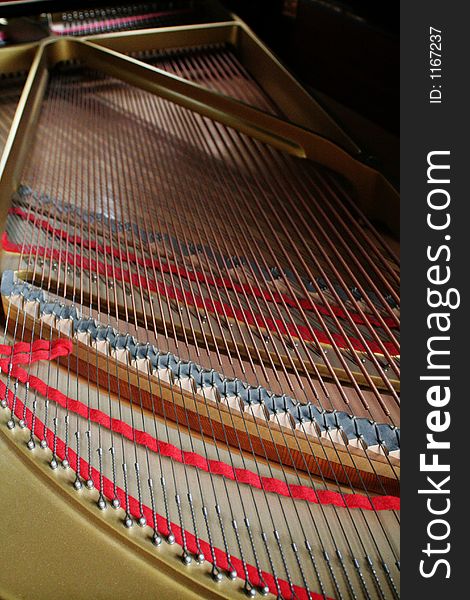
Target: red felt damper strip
(276, 326)
(42, 350)
(85, 470)
(274, 297)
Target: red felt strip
(276, 326)
(85, 470)
(42, 350)
(274, 297)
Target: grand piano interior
(200, 363)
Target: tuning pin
(264, 590)
(128, 522)
(249, 590)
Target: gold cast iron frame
(316, 138)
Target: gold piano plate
(33, 493)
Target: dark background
(347, 50)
